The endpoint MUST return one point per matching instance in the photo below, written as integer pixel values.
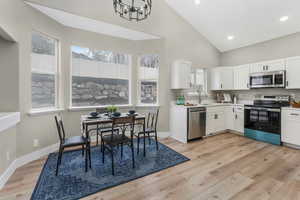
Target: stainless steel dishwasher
(196, 123)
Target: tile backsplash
(192, 96)
(242, 95)
(257, 93)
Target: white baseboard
(36, 155)
(24, 160)
(7, 173)
(163, 134)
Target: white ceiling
(249, 21)
(96, 26)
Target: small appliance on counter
(224, 98)
(263, 118)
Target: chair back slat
(123, 123)
(152, 120)
(60, 129)
(156, 119)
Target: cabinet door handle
(221, 85)
(294, 114)
(235, 116)
(287, 83)
(264, 67)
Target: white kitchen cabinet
(230, 117)
(215, 120)
(268, 66)
(241, 77)
(235, 118)
(239, 119)
(181, 75)
(221, 78)
(290, 126)
(292, 73)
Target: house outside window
(100, 78)
(148, 75)
(44, 71)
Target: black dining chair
(150, 129)
(112, 140)
(105, 128)
(75, 141)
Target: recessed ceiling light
(197, 2)
(284, 18)
(230, 37)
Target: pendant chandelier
(133, 9)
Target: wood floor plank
(226, 166)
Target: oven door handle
(263, 109)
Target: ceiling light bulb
(197, 2)
(230, 37)
(284, 18)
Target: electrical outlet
(36, 143)
(7, 156)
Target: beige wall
(7, 146)
(287, 46)
(179, 41)
(9, 76)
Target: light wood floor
(226, 166)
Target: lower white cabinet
(215, 120)
(235, 118)
(239, 119)
(290, 126)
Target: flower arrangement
(112, 109)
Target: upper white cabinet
(241, 77)
(268, 66)
(181, 74)
(221, 78)
(292, 73)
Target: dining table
(90, 124)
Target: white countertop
(8, 120)
(209, 105)
(290, 108)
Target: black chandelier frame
(131, 11)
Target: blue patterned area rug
(73, 183)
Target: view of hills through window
(43, 68)
(100, 77)
(148, 76)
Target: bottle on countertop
(235, 99)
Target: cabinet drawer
(291, 115)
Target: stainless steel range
(263, 119)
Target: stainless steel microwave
(276, 79)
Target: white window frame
(56, 106)
(205, 74)
(75, 108)
(139, 85)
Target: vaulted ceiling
(247, 21)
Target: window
(100, 78)
(148, 75)
(199, 80)
(44, 68)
